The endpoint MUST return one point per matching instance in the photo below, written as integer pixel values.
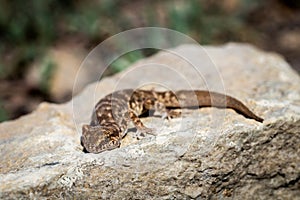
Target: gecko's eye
(85, 129)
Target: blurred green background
(37, 36)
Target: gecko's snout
(89, 139)
(95, 139)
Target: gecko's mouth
(84, 150)
(86, 147)
(82, 139)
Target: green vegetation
(3, 113)
(125, 60)
(28, 28)
(47, 70)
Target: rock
(207, 153)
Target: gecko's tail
(214, 99)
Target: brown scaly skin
(113, 113)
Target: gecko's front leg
(141, 128)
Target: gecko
(113, 113)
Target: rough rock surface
(207, 153)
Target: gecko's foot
(166, 113)
(142, 132)
(169, 114)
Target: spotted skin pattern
(113, 113)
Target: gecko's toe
(142, 132)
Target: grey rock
(208, 153)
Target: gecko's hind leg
(171, 113)
(166, 113)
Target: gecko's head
(96, 139)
